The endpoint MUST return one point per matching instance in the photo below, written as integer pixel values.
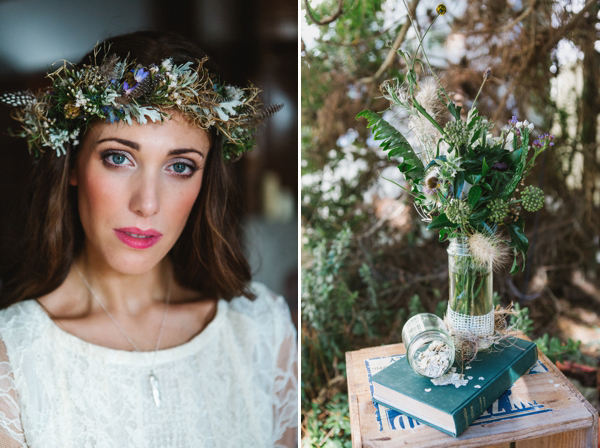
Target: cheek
(179, 205)
(98, 198)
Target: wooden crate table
(541, 410)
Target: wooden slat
(353, 404)
(573, 421)
(571, 439)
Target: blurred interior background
(250, 40)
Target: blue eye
(118, 159)
(179, 167)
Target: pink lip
(151, 237)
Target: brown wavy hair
(208, 255)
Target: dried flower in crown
(121, 90)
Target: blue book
(448, 408)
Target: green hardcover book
(448, 408)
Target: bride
(130, 319)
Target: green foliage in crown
(120, 90)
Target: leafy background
(368, 262)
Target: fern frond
(395, 143)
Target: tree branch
(518, 19)
(326, 20)
(559, 33)
(392, 53)
(535, 49)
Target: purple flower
(513, 121)
(500, 166)
(544, 140)
(128, 89)
(140, 74)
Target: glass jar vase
(429, 348)
(470, 304)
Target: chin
(130, 266)
(133, 262)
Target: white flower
(178, 102)
(530, 126)
(167, 64)
(80, 99)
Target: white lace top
(232, 385)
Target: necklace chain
(162, 325)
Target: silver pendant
(154, 385)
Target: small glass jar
(430, 349)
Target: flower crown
(116, 90)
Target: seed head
(458, 211)
(499, 209)
(488, 250)
(533, 198)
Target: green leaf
(459, 183)
(518, 239)
(515, 266)
(455, 111)
(473, 178)
(440, 222)
(394, 141)
(520, 166)
(479, 216)
(443, 234)
(517, 235)
(435, 162)
(474, 195)
(475, 136)
(472, 117)
(484, 168)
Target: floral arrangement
(116, 90)
(465, 182)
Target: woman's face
(136, 187)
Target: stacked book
(452, 408)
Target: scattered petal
(428, 389)
(477, 386)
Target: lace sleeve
(11, 430)
(286, 383)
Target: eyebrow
(134, 145)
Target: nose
(145, 199)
